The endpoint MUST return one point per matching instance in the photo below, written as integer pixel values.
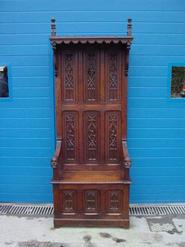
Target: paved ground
(143, 232)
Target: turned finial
(53, 26)
(129, 27)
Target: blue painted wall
(156, 123)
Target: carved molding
(90, 40)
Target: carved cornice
(56, 40)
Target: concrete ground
(144, 232)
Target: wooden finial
(53, 26)
(129, 27)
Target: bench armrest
(126, 158)
(57, 154)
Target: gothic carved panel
(113, 76)
(91, 84)
(70, 136)
(114, 201)
(68, 201)
(91, 135)
(113, 136)
(91, 201)
(69, 77)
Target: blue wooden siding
(156, 123)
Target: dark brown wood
(129, 28)
(56, 158)
(90, 40)
(91, 163)
(53, 27)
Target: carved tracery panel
(91, 84)
(69, 77)
(114, 201)
(68, 201)
(113, 73)
(91, 201)
(91, 135)
(113, 136)
(70, 125)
